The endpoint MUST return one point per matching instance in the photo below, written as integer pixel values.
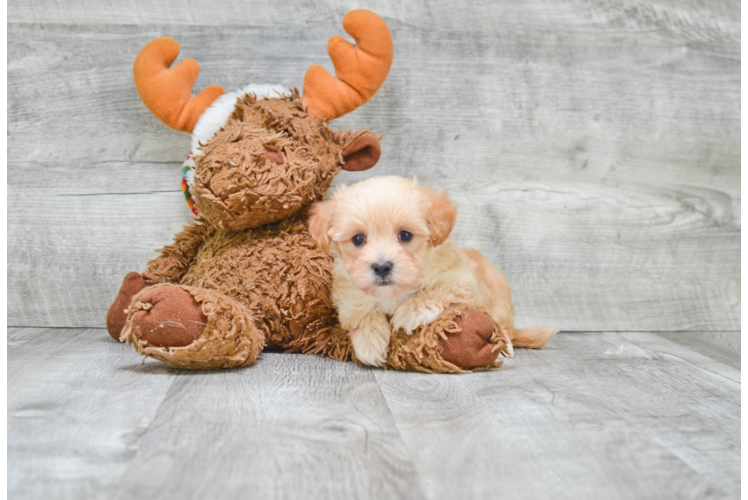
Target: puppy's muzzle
(382, 268)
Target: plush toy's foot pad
(192, 328)
(170, 317)
(470, 347)
(116, 317)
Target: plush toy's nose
(274, 154)
(382, 268)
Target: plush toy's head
(271, 159)
(262, 153)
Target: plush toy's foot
(169, 317)
(193, 328)
(117, 314)
(469, 347)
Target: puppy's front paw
(412, 314)
(370, 342)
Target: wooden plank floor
(594, 415)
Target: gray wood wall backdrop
(592, 145)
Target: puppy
(396, 267)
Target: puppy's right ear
(442, 216)
(321, 223)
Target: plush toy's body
(248, 274)
(269, 286)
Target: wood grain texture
(593, 415)
(705, 20)
(592, 147)
(88, 420)
(175, 12)
(721, 346)
(75, 415)
(290, 426)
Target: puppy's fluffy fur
(366, 226)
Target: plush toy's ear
(320, 223)
(442, 216)
(167, 92)
(362, 154)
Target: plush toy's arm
(175, 259)
(459, 340)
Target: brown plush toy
(247, 274)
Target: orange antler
(167, 92)
(361, 69)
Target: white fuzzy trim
(218, 113)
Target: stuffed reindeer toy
(246, 273)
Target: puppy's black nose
(382, 268)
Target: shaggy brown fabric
(331, 341)
(277, 273)
(176, 258)
(229, 339)
(117, 314)
(170, 317)
(237, 188)
(422, 351)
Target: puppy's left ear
(442, 216)
(361, 154)
(320, 223)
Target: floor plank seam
(419, 479)
(144, 432)
(661, 355)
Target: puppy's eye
(359, 240)
(404, 236)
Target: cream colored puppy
(395, 266)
